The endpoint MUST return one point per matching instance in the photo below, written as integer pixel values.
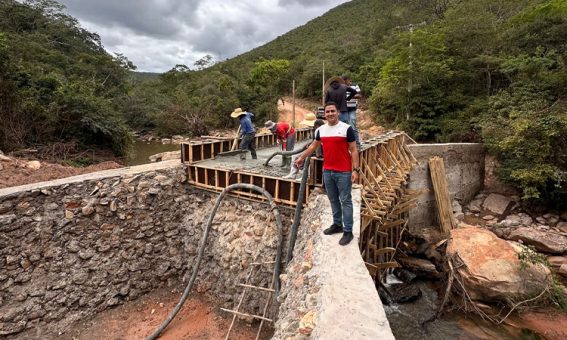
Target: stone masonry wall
(70, 250)
(464, 168)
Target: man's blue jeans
(352, 123)
(344, 117)
(339, 187)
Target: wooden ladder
(246, 287)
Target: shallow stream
(406, 320)
(141, 150)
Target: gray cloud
(158, 34)
(304, 3)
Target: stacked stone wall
(71, 250)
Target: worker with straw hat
(247, 132)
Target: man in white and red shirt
(340, 169)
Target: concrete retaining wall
(73, 247)
(327, 292)
(464, 167)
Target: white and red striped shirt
(335, 141)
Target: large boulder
(546, 241)
(165, 156)
(33, 165)
(497, 203)
(491, 268)
(421, 267)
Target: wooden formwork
(284, 191)
(386, 200)
(208, 148)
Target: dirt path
(198, 319)
(302, 107)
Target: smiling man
(340, 169)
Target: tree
(204, 62)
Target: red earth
(199, 319)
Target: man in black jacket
(339, 93)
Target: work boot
(347, 237)
(284, 161)
(291, 174)
(334, 229)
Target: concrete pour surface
(255, 166)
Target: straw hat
(309, 119)
(332, 80)
(237, 112)
(269, 125)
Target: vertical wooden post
(293, 100)
(323, 87)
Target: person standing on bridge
(352, 105)
(285, 134)
(340, 169)
(339, 93)
(247, 132)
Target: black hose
(298, 208)
(277, 266)
(283, 153)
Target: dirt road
(302, 107)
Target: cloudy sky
(158, 34)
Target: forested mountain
(57, 83)
(442, 70)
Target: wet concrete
(255, 166)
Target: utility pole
(323, 87)
(410, 27)
(293, 100)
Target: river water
(141, 150)
(406, 321)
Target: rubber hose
(298, 208)
(283, 153)
(277, 266)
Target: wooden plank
(246, 315)
(444, 207)
(236, 138)
(256, 287)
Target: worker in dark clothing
(339, 93)
(247, 132)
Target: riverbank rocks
(491, 268)
(497, 204)
(33, 165)
(546, 241)
(420, 267)
(165, 156)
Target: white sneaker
(290, 176)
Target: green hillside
(57, 83)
